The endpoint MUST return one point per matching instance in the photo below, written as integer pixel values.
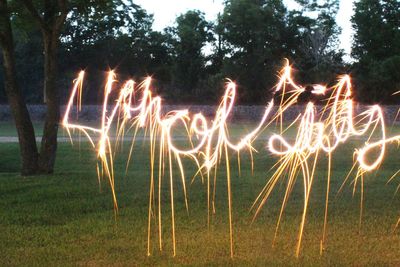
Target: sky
(165, 12)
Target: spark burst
(318, 133)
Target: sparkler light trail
(319, 132)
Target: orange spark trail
(318, 134)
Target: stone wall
(240, 113)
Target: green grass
(8, 128)
(67, 219)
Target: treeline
(190, 60)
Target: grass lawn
(67, 218)
(8, 128)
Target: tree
(118, 38)
(26, 134)
(376, 48)
(254, 32)
(188, 38)
(50, 18)
(29, 59)
(318, 56)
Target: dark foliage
(190, 60)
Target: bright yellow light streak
(318, 133)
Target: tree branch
(60, 19)
(4, 21)
(2, 38)
(35, 14)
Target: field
(68, 219)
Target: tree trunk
(23, 123)
(49, 139)
(50, 21)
